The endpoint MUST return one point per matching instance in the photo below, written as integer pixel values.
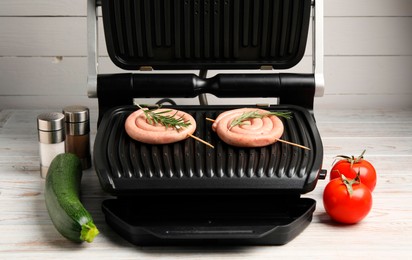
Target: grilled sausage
(138, 127)
(256, 132)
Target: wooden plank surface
(368, 8)
(27, 232)
(43, 8)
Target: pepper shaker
(78, 133)
(51, 138)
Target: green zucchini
(63, 203)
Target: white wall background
(368, 54)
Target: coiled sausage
(141, 129)
(253, 132)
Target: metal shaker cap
(51, 121)
(77, 120)
(51, 127)
(76, 114)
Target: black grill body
(188, 193)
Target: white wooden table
(26, 230)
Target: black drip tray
(127, 167)
(208, 219)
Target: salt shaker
(78, 133)
(51, 138)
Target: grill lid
(128, 167)
(205, 34)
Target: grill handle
(120, 89)
(210, 232)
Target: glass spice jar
(78, 133)
(51, 138)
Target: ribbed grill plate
(125, 166)
(206, 33)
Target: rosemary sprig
(154, 117)
(169, 121)
(256, 114)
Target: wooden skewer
(200, 140)
(294, 144)
(280, 140)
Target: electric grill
(186, 192)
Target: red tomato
(351, 166)
(347, 201)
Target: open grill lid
(206, 34)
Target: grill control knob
(322, 174)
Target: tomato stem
(351, 159)
(349, 182)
